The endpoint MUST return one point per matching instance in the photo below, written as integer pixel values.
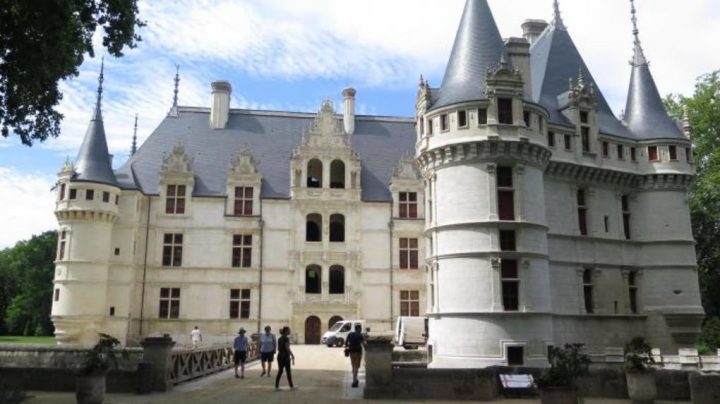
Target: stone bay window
(243, 186)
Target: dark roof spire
(645, 113)
(174, 108)
(93, 163)
(478, 46)
(133, 149)
(557, 18)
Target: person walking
(354, 344)
(241, 346)
(285, 356)
(195, 337)
(268, 346)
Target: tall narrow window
(526, 118)
(510, 285)
(175, 202)
(408, 205)
(430, 126)
(337, 174)
(169, 303)
(672, 150)
(62, 191)
(243, 204)
(632, 289)
(337, 280)
(337, 228)
(606, 149)
(585, 135)
(582, 212)
(239, 303)
(314, 174)
(620, 152)
(56, 296)
(633, 154)
(551, 139)
(73, 194)
(688, 154)
(505, 115)
(567, 139)
(106, 196)
(408, 253)
(89, 194)
(584, 117)
(62, 242)
(409, 303)
(588, 290)
(653, 153)
(444, 125)
(462, 119)
(242, 251)
(626, 216)
(482, 116)
(172, 250)
(422, 125)
(506, 199)
(313, 275)
(313, 227)
(507, 240)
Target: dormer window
(314, 173)
(243, 205)
(175, 200)
(408, 205)
(337, 174)
(462, 119)
(505, 115)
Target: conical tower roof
(478, 46)
(645, 114)
(93, 162)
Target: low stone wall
(40, 379)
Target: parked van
(411, 332)
(337, 334)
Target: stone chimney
(220, 108)
(518, 50)
(532, 29)
(349, 111)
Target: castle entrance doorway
(333, 320)
(312, 330)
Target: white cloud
(27, 205)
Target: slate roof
(271, 137)
(478, 45)
(93, 160)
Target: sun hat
(241, 331)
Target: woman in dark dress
(284, 358)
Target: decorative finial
(133, 149)
(422, 80)
(687, 127)
(98, 103)
(638, 54)
(557, 18)
(177, 85)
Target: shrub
(101, 358)
(710, 335)
(566, 364)
(638, 355)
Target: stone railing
(686, 359)
(188, 364)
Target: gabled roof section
(478, 46)
(93, 162)
(645, 113)
(554, 60)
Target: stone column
(157, 351)
(378, 366)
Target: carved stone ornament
(581, 93)
(67, 168)
(407, 169)
(326, 130)
(177, 161)
(244, 164)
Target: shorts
(240, 357)
(267, 356)
(355, 359)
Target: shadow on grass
(12, 339)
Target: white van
(411, 332)
(337, 334)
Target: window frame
(505, 111)
(588, 292)
(169, 304)
(175, 199)
(408, 249)
(241, 251)
(653, 154)
(172, 250)
(505, 192)
(408, 205)
(239, 307)
(243, 200)
(463, 113)
(582, 209)
(510, 282)
(410, 302)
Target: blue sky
(292, 55)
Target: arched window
(337, 174)
(337, 228)
(337, 280)
(313, 275)
(313, 227)
(314, 174)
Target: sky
(292, 55)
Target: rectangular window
(551, 139)
(606, 149)
(506, 198)
(408, 205)
(73, 194)
(507, 240)
(633, 154)
(588, 290)
(89, 194)
(505, 115)
(172, 250)
(688, 154)
(582, 212)
(620, 152)
(62, 191)
(626, 216)
(510, 285)
(482, 116)
(243, 201)
(56, 296)
(117, 199)
(607, 224)
(515, 356)
(653, 153)
(169, 303)
(408, 253)
(673, 152)
(585, 134)
(568, 142)
(430, 126)
(62, 241)
(444, 122)
(239, 303)
(175, 202)
(409, 303)
(526, 118)
(632, 286)
(422, 126)
(106, 196)
(584, 117)
(242, 251)
(112, 311)
(462, 119)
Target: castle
(514, 210)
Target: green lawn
(9, 339)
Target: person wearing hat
(241, 346)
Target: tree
(704, 112)
(28, 270)
(42, 42)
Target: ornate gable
(177, 162)
(406, 169)
(326, 132)
(243, 169)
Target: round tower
(86, 209)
